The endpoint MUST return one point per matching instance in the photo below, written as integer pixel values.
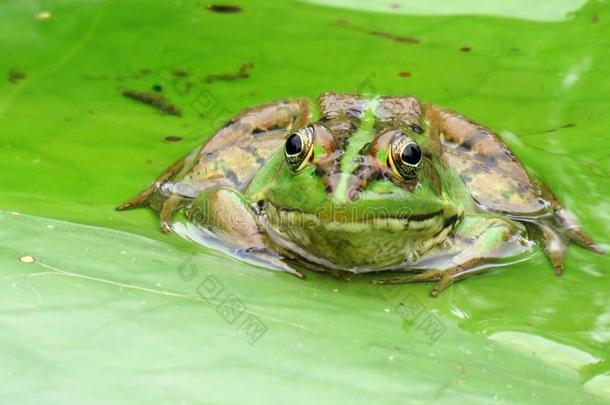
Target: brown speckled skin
(230, 158)
(494, 176)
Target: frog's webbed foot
(555, 237)
(560, 230)
(480, 242)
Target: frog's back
(494, 177)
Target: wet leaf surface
(100, 305)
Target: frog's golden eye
(298, 149)
(405, 157)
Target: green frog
(377, 184)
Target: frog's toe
(165, 227)
(557, 262)
(572, 230)
(445, 281)
(443, 278)
(579, 237)
(428, 275)
(554, 248)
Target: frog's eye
(405, 157)
(299, 148)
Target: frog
(358, 184)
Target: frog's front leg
(478, 241)
(228, 216)
(230, 158)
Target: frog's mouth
(418, 223)
(358, 244)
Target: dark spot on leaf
(145, 71)
(342, 23)
(242, 73)
(396, 38)
(155, 100)
(15, 75)
(465, 49)
(404, 73)
(173, 138)
(180, 72)
(157, 88)
(594, 18)
(224, 8)
(548, 131)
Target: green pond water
(111, 309)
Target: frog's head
(359, 190)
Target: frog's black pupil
(411, 154)
(294, 144)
